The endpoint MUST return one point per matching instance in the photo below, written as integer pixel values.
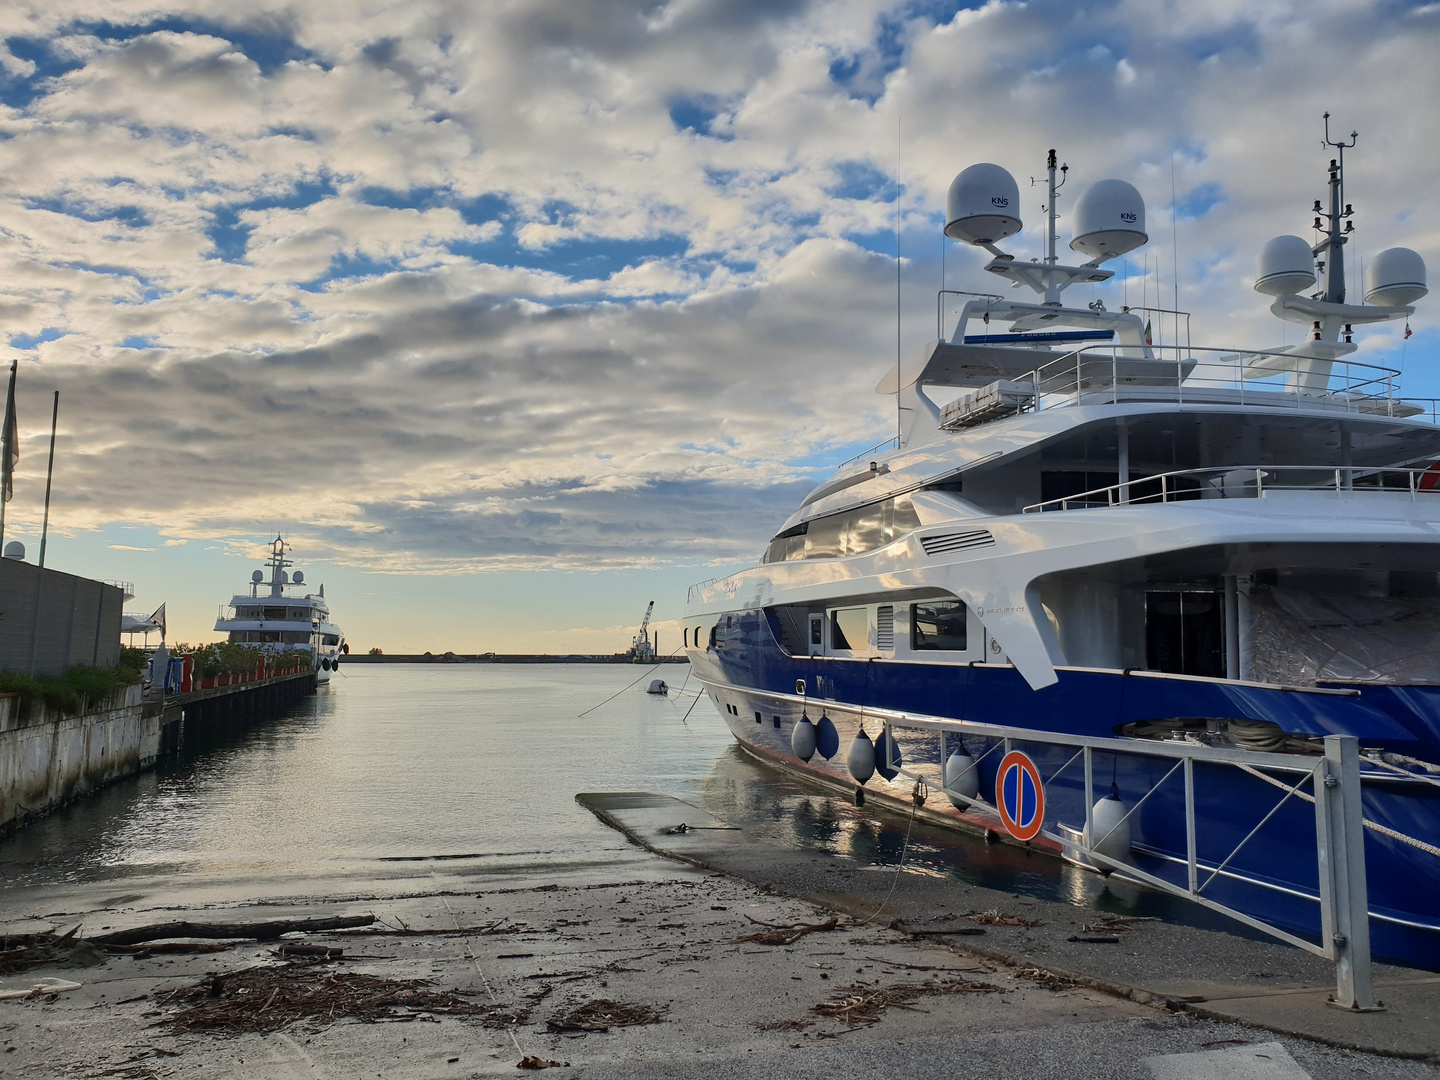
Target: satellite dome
(257, 576)
(284, 577)
(15, 550)
(982, 206)
(1396, 278)
(1109, 220)
(298, 577)
(1286, 266)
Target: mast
(1331, 249)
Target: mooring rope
(1374, 826)
(658, 665)
(917, 799)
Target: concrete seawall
(46, 759)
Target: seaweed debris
(860, 1004)
(267, 998)
(602, 1014)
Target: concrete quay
(48, 759)
(684, 946)
(1212, 973)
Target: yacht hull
(762, 692)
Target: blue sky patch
(1198, 201)
(231, 236)
(19, 91)
(861, 180)
(694, 114)
(29, 341)
(132, 216)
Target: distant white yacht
(293, 623)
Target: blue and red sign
(1020, 796)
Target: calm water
(401, 778)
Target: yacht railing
(699, 587)
(1206, 375)
(888, 444)
(126, 587)
(1248, 482)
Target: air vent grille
(885, 627)
(943, 543)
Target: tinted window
(850, 532)
(939, 624)
(850, 628)
(816, 630)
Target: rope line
(612, 697)
(917, 798)
(469, 952)
(1374, 826)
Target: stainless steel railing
(1247, 482)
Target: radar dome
(15, 550)
(983, 205)
(298, 577)
(1395, 278)
(1286, 266)
(257, 576)
(1109, 220)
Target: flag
(1148, 341)
(1407, 333)
(159, 619)
(10, 439)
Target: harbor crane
(641, 648)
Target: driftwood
(786, 935)
(270, 930)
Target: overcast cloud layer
(458, 286)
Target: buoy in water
(962, 779)
(887, 756)
(802, 739)
(1109, 832)
(657, 686)
(827, 739)
(861, 759)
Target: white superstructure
(271, 619)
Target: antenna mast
(1330, 249)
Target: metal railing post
(1191, 855)
(1089, 833)
(1340, 853)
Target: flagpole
(7, 439)
(49, 474)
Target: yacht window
(850, 628)
(332, 639)
(273, 613)
(938, 625)
(1185, 632)
(850, 532)
(817, 630)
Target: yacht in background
(274, 620)
(1090, 536)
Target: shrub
(72, 693)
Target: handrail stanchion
(1191, 852)
(1340, 853)
(1089, 833)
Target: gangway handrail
(1333, 776)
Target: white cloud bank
(456, 286)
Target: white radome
(1396, 278)
(982, 206)
(1286, 266)
(1109, 220)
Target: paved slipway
(1017, 1001)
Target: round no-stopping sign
(1020, 796)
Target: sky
(513, 317)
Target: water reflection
(769, 801)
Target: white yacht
(274, 620)
(1108, 542)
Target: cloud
(453, 287)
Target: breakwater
(48, 759)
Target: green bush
(72, 693)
